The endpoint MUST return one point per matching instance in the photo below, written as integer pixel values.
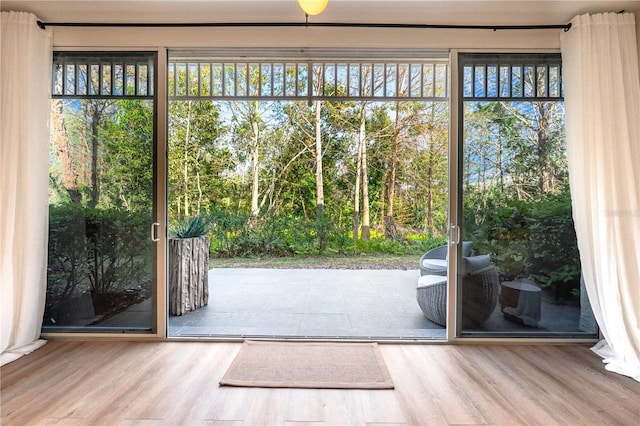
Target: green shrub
(118, 248)
(67, 251)
(239, 235)
(102, 250)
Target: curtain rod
(43, 25)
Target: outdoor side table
(521, 302)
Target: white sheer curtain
(602, 102)
(25, 76)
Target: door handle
(454, 235)
(154, 234)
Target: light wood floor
(127, 383)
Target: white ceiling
(495, 12)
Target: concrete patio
(309, 303)
(338, 303)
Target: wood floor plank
(232, 404)
(305, 405)
(342, 407)
(504, 389)
(493, 401)
(591, 399)
(413, 388)
(445, 386)
(162, 383)
(382, 407)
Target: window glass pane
(341, 81)
(205, 82)
(241, 79)
(468, 81)
(378, 80)
(229, 80)
(530, 81)
(291, 80)
(415, 80)
(216, 84)
(517, 85)
(70, 81)
(521, 274)
(101, 262)
(303, 79)
(391, 80)
(492, 81)
(367, 80)
(329, 79)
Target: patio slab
(309, 303)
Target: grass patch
(363, 261)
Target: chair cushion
(434, 264)
(429, 280)
(467, 248)
(472, 264)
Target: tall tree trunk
(430, 187)
(185, 162)
(255, 145)
(389, 224)
(198, 185)
(356, 198)
(545, 175)
(95, 181)
(63, 147)
(321, 228)
(365, 177)
(319, 179)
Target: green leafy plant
(191, 227)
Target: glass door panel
(101, 273)
(522, 277)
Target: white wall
(307, 37)
(302, 37)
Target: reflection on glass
(523, 275)
(100, 209)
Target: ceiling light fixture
(313, 7)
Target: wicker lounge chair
(432, 298)
(438, 255)
(479, 296)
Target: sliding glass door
(101, 261)
(521, 276)
(331, 165)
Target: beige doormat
(308, 365)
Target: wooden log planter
(188, 274)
